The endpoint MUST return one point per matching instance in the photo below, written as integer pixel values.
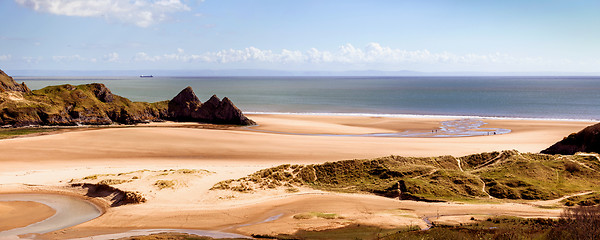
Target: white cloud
(142, 56)
(142, 13)
(70, 58)
(5, 57)
(372, 56)
(111, 57)
(32, 59)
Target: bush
(581, 222)
(572, 167)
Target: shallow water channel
(70, 211)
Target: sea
(564, 98)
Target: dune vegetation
(501, 175)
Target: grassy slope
(496, 228)
(14, 132)
(506, 175)
(67, 105)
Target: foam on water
(450, 128)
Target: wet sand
(16, 214)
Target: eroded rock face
(586, 140)
(183, 105)
(102, 92)
(186, 107)
(7, 83)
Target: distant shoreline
(428, 116)
(529, 98)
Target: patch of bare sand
(55, 160)
(318, 124)
(16, 214)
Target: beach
(47, 163)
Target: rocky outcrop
(68, 105)
(7, 83)
(102, 92)
(95, 104)
(586, 140)
(183, 105)
(186, 107)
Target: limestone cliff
(182, 105)
(187, 107)
(95, 104)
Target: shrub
(572, 167)
(581, 222)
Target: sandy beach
(49, 162)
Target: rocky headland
(187, 107)
(95, 104)
(586, 140)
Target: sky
(307, 35)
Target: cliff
(7, 83)
(95, 104)
(187, 107)
(89, 104)
(586, 140)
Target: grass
(89, 104)
(310, 215)
(506, 175)
(162, 184)
(492, 228)
(348, 232)
(170, 236)
(14, 132)
(591, 199)
(113, 181)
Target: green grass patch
(591, 199)
(492, 228)
(14, 132)
(310, 215)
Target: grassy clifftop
(89, 104)
(503, 175)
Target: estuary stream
(70, 211)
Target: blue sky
(428, 36)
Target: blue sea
(575, 98)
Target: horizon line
(284, 73)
